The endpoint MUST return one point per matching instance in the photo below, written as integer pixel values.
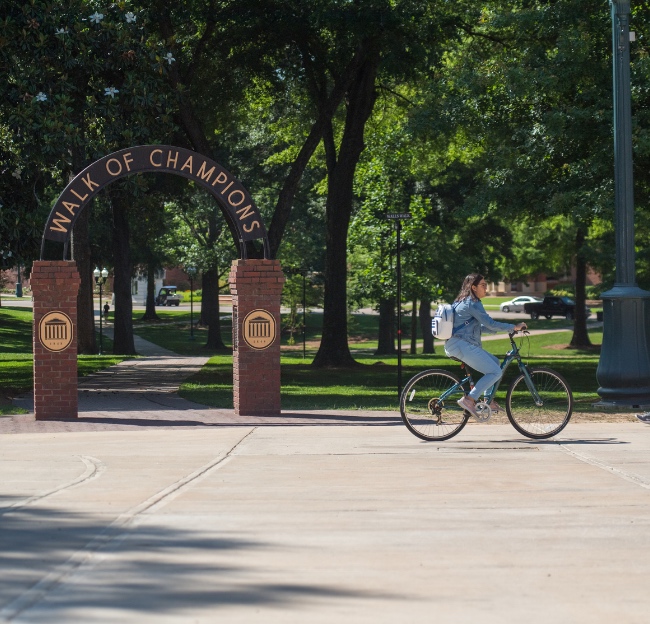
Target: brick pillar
(55, 285)
(256, 287)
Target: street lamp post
(397, 217)
(624, 366)
(19, 284)
(100, 280)
(304, 313)
(191, 271)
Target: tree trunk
(580, 339)
(210, 310)
(328, 106)
(414, 328)
(150, 306)
(425, 326)
(122, 319)
(334, 350)
(386, 338)
(86, 343)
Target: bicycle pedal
(483, 412)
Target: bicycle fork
(530, 385)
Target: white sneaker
(468, 405)
(644, 418)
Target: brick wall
(54, 286)
(256, 284)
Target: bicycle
(539, 401)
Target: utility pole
(624, 367)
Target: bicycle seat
(451, 357)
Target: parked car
(553, 306)
(167, 296)
(517, 304)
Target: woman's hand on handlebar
(520, 326)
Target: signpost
(398, 217)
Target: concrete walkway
(149, 508)
(325, 524)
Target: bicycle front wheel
(428, 405)
(548, 415)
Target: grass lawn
(374, 384)
(17, 362)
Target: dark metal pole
(398, 227)
(624, 367)
(624, 185)
(19, 284)
(192, 308)
(101, 311)
(304, 315)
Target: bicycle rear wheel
(534, 420)
(425, 413)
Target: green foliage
(195, 233)
(80, 80)
(441, 243)
(194, 296)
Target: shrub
(186, 296)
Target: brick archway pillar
(54, 286)
(256, 288)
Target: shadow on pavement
(568, 441)
(144, 567)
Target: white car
(517, 304)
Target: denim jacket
(470, 318)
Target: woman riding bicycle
(470, 318)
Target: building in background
(539, 284)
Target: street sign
(398, 215)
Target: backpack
(442, 325)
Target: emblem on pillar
(258, 329)
(55, 331)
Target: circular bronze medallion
(55, 331)
(258, 329)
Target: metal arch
(235, 202)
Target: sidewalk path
(142, 393)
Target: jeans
(478, 359)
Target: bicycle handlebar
(519, 331)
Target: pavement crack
(94, 468)
(632, 478)
(113, 531)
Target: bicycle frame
(509, 357)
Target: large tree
(530, 84)
(78, 84)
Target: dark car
(553, 306)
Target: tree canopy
(490, 122)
